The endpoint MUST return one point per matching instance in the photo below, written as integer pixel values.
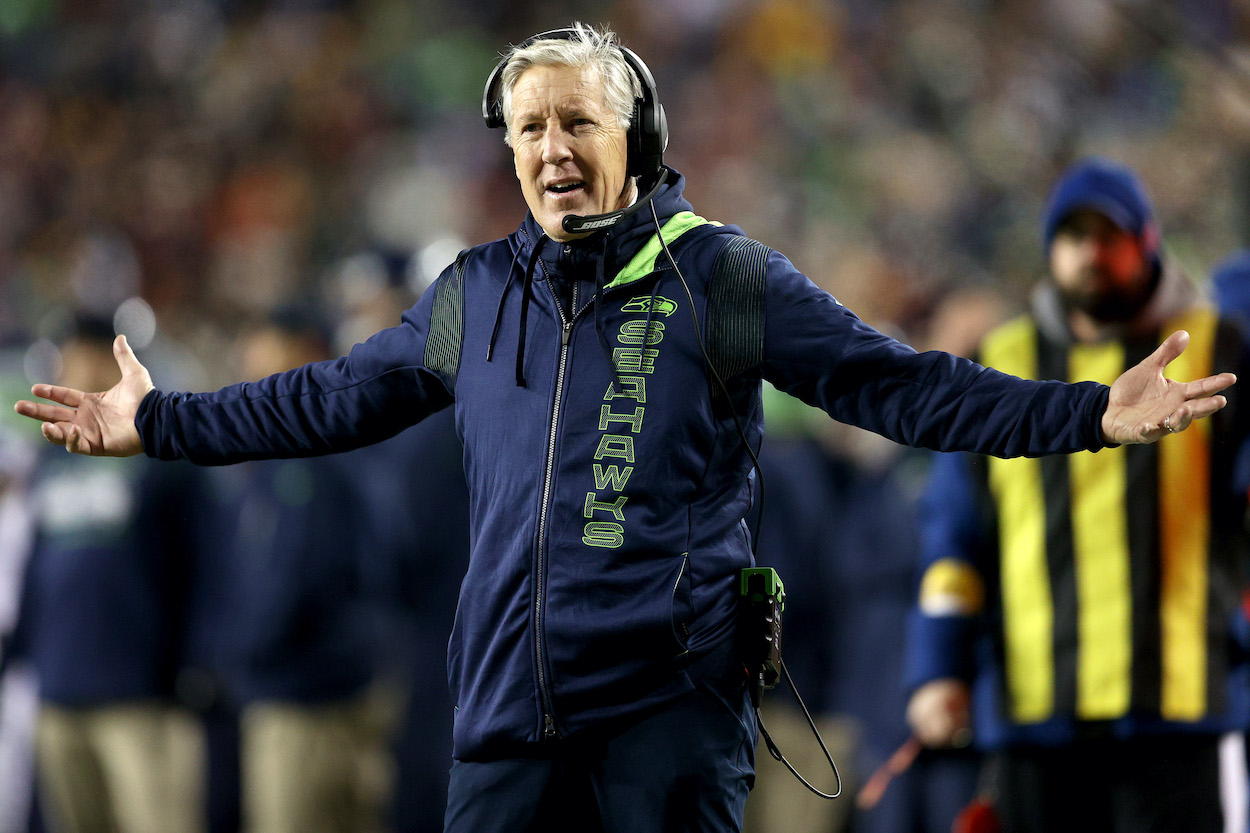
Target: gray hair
(589, 48)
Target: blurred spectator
(19, 696)
(102, 619)
(838, 530)
(221, 155)
(840, 525)
(1230, 287)
(288, 621)
(1079, 618)
(418, 505)
(225, 154)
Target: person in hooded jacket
(1078, 616)
(604, 362)
(1229, 289)
(102, 622)
(291, 625)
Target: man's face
(1099, 268)
(568, 147)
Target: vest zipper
(540, 559)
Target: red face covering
(1119, 278)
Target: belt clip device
(763, 598)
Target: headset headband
(648, 130)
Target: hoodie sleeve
(943, 625)
(381, 387)
(821, 352)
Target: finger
(1185, 415)
(126, 359)
(1196, 409)
(1171, 347)
(53, 432)
(58, 393)
(1210, 385)
(44, 412)
(74, 441)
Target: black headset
(648, 128)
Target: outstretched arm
(1145, 406)
(97, 424)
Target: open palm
(99, 424)
(1145, 405)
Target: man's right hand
(940, 713)
(97, 424)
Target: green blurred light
(19, 17)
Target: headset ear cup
(492, 98)
(650, 138)
(661, 135)
(647, 140)
(633, 142)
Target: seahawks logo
(643, 304)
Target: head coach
(605, 362)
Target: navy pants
(1160, 784)
(685, 767)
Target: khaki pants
(133, 768)
(779, 803)
(326, 768)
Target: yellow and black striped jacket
(1109, 580)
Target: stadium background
(187, 165)
(207, 159)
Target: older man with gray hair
(594, 661)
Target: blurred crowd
(215, 157)
(188, 167)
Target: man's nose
(1091, 246)
(555, 147)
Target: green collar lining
(643, 263)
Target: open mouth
(562, 188)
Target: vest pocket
(683, 606)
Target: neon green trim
(643, 263)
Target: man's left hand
(1145, 406)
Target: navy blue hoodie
(607, 502)
(103, 610)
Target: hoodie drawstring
(527, 281)
(527, 290)
(494, 331)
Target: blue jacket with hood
(607, 499)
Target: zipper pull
(549, 728)
(566, 329)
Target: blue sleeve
(819, 351)
(373, 393)
(944, 624)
